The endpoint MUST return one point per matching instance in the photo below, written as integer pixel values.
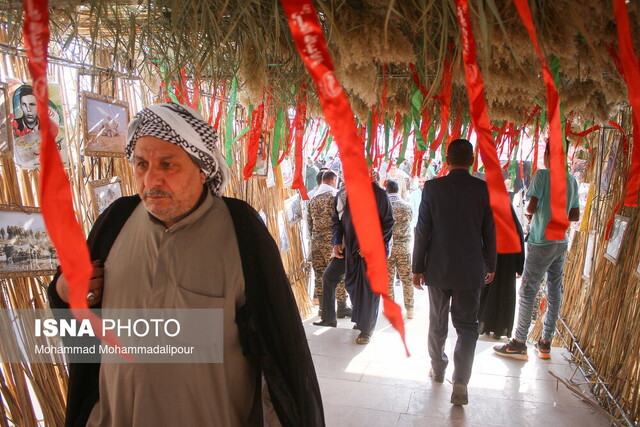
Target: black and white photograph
(285, 245)
(616, 238)
(5, 135)
(588, 259)
(25, 248)
(293, 206)
(104, 192)
(105, 124)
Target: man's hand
(338, 251)
(489, 278)
(418, 281)
(94, 295)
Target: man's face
(167, 180)
(29, 109)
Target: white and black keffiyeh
(186, 128)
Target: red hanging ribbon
(254, 141)
(312, 47)
(301, 117)
(507, 237)
(445, 101)
(559, 222)
(632, 77)
(55, 192)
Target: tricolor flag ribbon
(507, 238)
(312, 47)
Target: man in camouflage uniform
(319, 221)
(400, 259)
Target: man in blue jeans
(544, 256)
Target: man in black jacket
(454, 255)
(186, 246)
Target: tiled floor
(377, 385)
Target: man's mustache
(155, 192)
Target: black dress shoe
(326, 323)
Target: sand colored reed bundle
(603, 312)
(271, 200)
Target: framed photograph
(588, 260)
(25, 248)
(616, 237)
(293, 207)
(608, 171)
(285, 245)
(25, 125)
(285, 173)
(261, 169)
(105, 123)
(5, 135)
(104, 192)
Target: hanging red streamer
(557, 227)
(445, 101)
(55, 193)
(309, 38)
(257, 118)
(631, 75)
(508, 240)
(301, 117)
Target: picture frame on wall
(285, 244)
(25, 125)
(6, 146)
(104, 192)
(285, 173)
(105, 122)
(293, 207)
(25, 247)
(616, 238)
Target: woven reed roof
(216, 39)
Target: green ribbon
(416, 103)
(387, 133)
(405, 140)
(228, 131)
(277, 136)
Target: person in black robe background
(498, 299)
(365, 303)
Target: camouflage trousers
(320, 259)
(400, 262)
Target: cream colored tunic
(194, 264)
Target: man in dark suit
(454, 254)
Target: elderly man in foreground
(185, 246)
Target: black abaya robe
(498, 299)
(365, 303)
